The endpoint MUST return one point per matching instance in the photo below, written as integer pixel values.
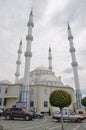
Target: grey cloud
(74, 11)
(69, 80)
(80, 68)
(83, 52)
(82, 55)
(68, 71)
(12, 25)
(39, 8)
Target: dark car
(12, 113)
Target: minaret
(28, 54)
(18, 62)
(75, 70)
(50, 59)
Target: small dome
(41, 68)
(5, 82)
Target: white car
(71, 116)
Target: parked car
(12, 113)
(71, 116)
(38, 115)
(1, 111)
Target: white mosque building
(36, 86)
(42, 82)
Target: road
(40, 124)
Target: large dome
(43, 76)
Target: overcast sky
(50, 29)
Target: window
(5, 101)
(0, 90)
(32, 104)
(20, 110)
(15, 109)
(0, 101)
(45, 104)
(6, 90)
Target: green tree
(83, 101)
(61, 99)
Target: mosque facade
(42, 82)
(36, 86)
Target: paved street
(40, 124)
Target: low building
(42, 82)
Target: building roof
(5, 82)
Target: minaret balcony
(70, 37)
(17, 74)
(30, 23)
(19, 51)
(29, 37)
(72, 50)
(50, 58)
(74, 63)
(18, 62)
(28, 53)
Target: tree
(83, 101)
(49, 111)
(61, 99)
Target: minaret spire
(50, 59)
(28, 54)
(69, 27)
(75, 70)
(18, 62)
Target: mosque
(34, 89)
